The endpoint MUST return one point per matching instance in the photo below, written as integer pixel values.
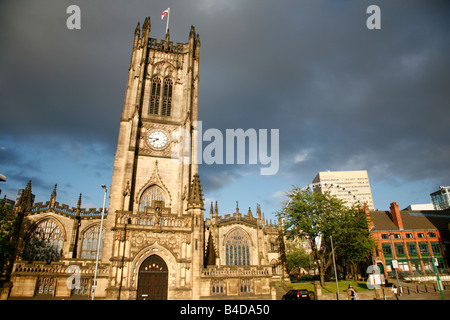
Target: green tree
(8, 227)
(355, 239)
(297, 258)
(317, 216)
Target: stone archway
(153, 279)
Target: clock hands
(157, 139)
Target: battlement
(166, 46)
(64, 209)
(86, 266)
(234, 271)
(162, 221)
(238, 217)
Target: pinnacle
(196, 193)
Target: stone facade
(157, 243)
(51, 241)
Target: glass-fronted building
(441, 198)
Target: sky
(343, 96)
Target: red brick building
(412, 238)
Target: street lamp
(434, 266)
(334, 264)
(2, 178)
(98, 243)
(393, 251)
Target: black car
(301, 294)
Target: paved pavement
(420, 291)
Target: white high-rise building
(349, 186)
(441, 198)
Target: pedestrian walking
(395, 290)
(353, 293)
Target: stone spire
(146, 26)
(137, 31)
(196, 193)
(211, 211)
(53, 197)
(79, 202)
(25, 200)
(78, 210)
(192, 32)
(216, 211)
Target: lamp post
(98, 243)
(432, 261)
(2, 178)
(334, 264)
(393, 255)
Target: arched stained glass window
(167, 98)
(155, 96)
(237, 248)
(152, 193)
(44, 242)
(90, 242)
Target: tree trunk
(322, 275)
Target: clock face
(157, 139)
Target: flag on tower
(167, 11)
(164, 13)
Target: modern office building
(350, 186)
(441, 198)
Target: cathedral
(155, 242)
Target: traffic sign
(395, 264)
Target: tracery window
(155, 96)
(217, 287)
(152, 193)
(273, 245)
(274, 265)
(44, 242)
(83, 289)
(167, 98)
(45, 286)
(237, 248)
(246, 286)
(90, 242)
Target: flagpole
(168, 17)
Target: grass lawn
(330, 287)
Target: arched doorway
(153, 279)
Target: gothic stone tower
(154, 230)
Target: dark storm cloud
(55, 81)
(344, 97)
